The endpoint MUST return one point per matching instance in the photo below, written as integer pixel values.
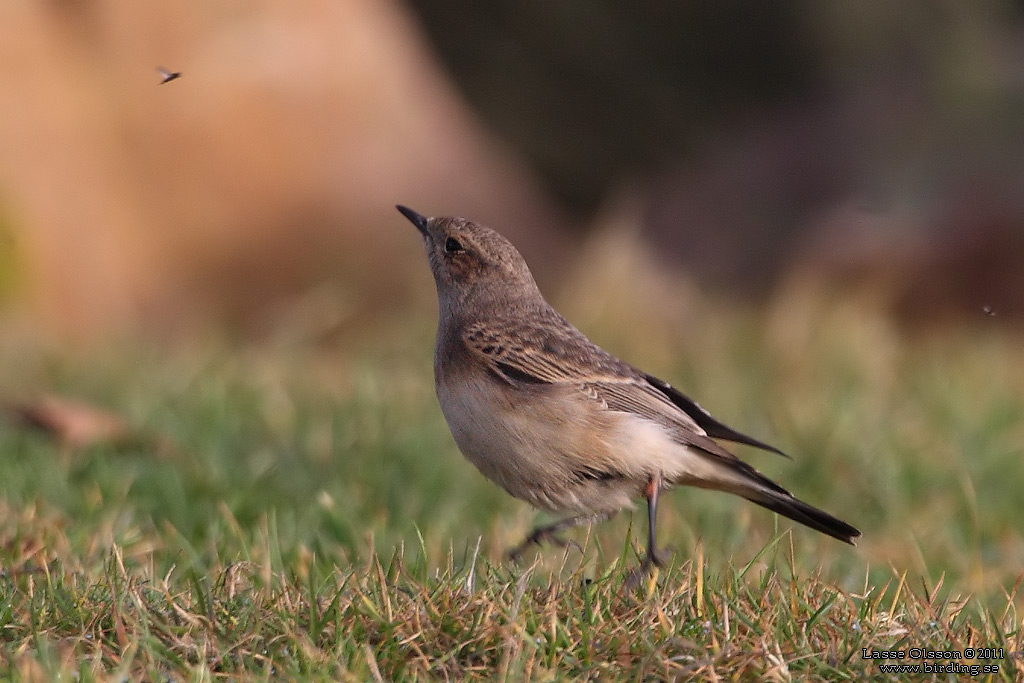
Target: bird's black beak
(419, 221)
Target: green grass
(308, 517)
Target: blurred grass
(301, 465)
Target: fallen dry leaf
(74, 424)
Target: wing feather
(545, 349)
(639, 398)
(711, 426)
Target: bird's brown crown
(472, 261)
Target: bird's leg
(654, 557)
(550, 531)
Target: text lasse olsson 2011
(987, 653)
(932, 660)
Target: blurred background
(755, 148)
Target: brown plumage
(556, 420)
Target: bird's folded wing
(637, 397)
(557, 354)
(706, 420)
(642, 399)
(549, 350)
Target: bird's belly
(544, 450)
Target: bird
(557, 421)
(167, 76)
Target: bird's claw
(538, 538)
(655, 559)
(660, 558)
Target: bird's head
(471, 261)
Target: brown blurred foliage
(268, 169)
(853, 142)
(766, 146)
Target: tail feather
(808, 515)
(729, 473)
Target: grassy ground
(301, 512)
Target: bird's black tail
(729, 473)
(808, 515)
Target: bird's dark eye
(452, 246)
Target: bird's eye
(452, 246)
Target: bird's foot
(539, 537)
(655, 559)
